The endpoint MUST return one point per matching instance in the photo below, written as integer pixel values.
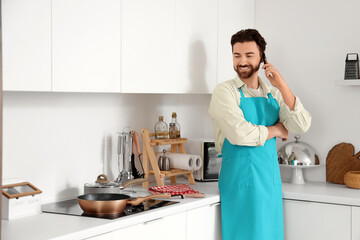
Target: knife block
(150, 158)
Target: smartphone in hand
(264, 58)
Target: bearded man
(247, 116)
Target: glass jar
(174, 128)
(161, 129)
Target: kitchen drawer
(204, 223)
(311, 220)
(170, 227)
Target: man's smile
(244, 68)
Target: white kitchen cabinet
(170, 227)
(132, 232)
(355, 223)
(195, 47)
(26, 39)
(204, 223)
(148, 46)
(310, 220)
(169, 46)
(86, 51)
(234, 15)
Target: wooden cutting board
(341, 159)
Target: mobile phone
(264, 58)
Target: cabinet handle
(215, 204)
(153, 220)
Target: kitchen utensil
(103, 185)
(341, 159)
(124, 151)
(164, 162)
(111, 203)
(352, 66)
(352, 179)
(136, 145)
(297, 155)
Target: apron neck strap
(270, 96)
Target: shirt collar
(240, 84)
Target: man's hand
(273, 75)
(278, 130)
(277, 81)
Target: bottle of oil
(161, 129)
(174, 128)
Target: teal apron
(250, 183)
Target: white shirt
(229, 122)
(259, 92)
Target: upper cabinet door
(195, 46)
(86, 45)
(148, 46)
(26, 39)
(234, 15)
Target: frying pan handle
(139, 200)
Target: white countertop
(58, 226)
(323, 192)
(66, 227)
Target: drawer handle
(153, 220)
(215, 204)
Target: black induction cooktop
(71, 207)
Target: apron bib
(250, 182)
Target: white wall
(59, 141)
(308, 41)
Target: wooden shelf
(348, 82)
(167, 141)
(173, 172)
(149, 158)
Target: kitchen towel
(183, 161)
(179, 189)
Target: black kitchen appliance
(71, 207)
(210, 168)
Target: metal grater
(352, 66)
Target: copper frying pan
(111, 203)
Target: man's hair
(249, 35)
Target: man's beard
(249, 72)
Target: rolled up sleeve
(297, 120)
(229, 121)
